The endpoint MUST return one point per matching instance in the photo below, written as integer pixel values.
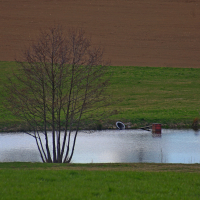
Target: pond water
(113, 146)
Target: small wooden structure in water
(156, 128)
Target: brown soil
(140, 32)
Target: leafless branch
(60, 84)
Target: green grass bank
(147, 95)
(99, 181)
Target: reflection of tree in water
(141, 150)
(141, 154)
(196, 132)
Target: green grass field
(61, 181)
(146, 95)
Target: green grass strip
(41, 181)
(144, 95)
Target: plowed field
(133, 32)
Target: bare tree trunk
(61, 83)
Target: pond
(113, 146)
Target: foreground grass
(103, 181)
(163, 95)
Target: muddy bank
(20, 127)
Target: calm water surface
(173, 146)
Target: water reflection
(173, 146)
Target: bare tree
(60, 84)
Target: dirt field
(133, 32)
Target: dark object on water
(195, 124)
(146, 128)
(156, 128)
(120, 125)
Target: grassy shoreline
(20, 127)
(169, 96)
